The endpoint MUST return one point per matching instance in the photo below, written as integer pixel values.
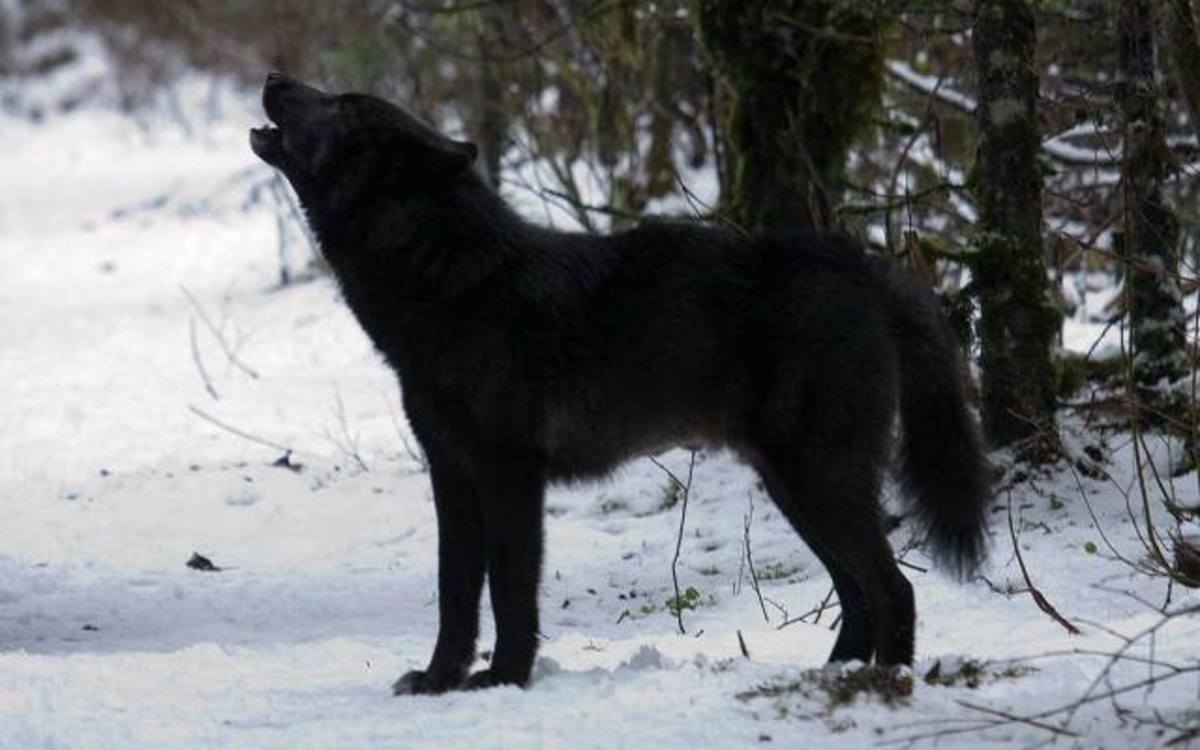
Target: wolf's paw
(418, 682)
(487, 678)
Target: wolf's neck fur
(410, 262)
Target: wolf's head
(341, 150)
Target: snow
(930, 85)
(327, 587)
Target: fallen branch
(1038, 598)
(1019, 719)
(240, 433)
(208, 386)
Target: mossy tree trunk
(805, 77)
(1183, 37)
(1019, 319)
(1155, 301)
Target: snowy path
(109, 483)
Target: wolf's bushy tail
(942, 465)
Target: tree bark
(805, 76)
(1157, 320)
(1183, 36)
(489, 118)
(1019, 318)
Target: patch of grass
(1027, 525)
(776, 571)
(672, 493)
(838, 687)
(689, 599)
(972, 673)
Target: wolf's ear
(455, 156)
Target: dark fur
(527, 355)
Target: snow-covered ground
(119, 245)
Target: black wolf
(527, 355)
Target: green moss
(1070, 372)
(688, 599)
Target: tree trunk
(1154, 298)
(1019, 319)
(1183, 37)
(489, 119)
(805, 76)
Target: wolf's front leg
(512, 498)
(460, 581)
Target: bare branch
(208, 386)
(230, 352)
(240, 433)
(1038, 598)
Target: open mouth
(266, 134)
(266, 142)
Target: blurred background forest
(1035, 161)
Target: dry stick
(1038, 598)
(686, 488)
(240, 433)
(1015, 718)
(1131, 392)
(1168, 496)
(1103, 333)
(750, 560)
(1097, 653)
(1130, 641)
(415, 453)
(575, 203)
(696, 205)
(566, 177)
(817, 610)
(1149, 545)
(208, 386)
(216, 332)
(347, 444)
(908, 145)
(1033, 720)
(1088, 697)
(820, 610)
(1152, 547)
(742, 645)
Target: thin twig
(1015, 718)
(1038, 598)
(347, 443)
(208, 386)
(817, 610)
(685, 488)
(230, 353)
(750, 559)
(240, 433)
